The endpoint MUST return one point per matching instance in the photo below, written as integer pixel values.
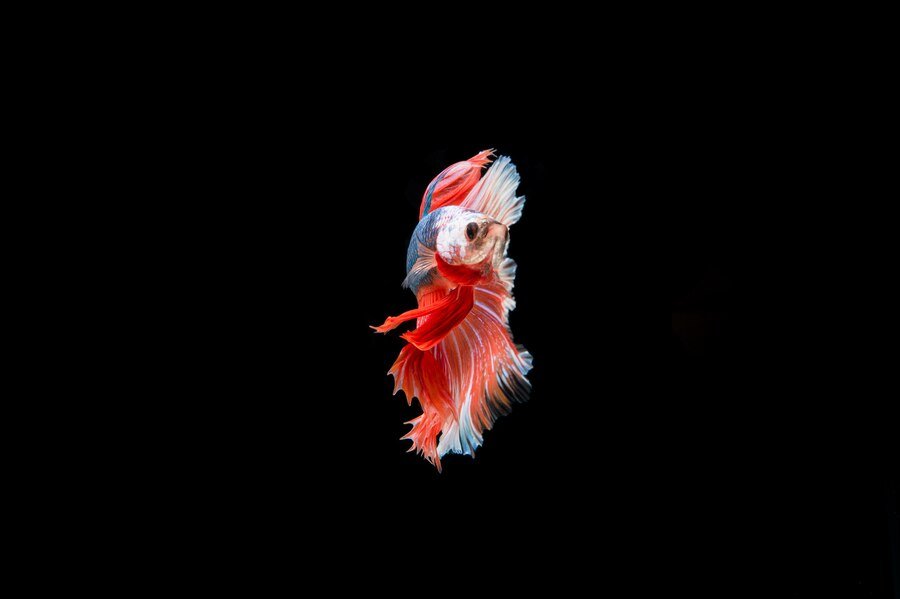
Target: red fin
(486, 369)
(482, 158)
(423, 434)
(392, 322)
(423, 377)
(451, 311)
(454, 183)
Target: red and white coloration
(460, 361)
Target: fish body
(460, 361)
(447, 231)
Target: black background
(732, 445)
(267, 182)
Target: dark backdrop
(734, 450)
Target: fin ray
(441, 322)
(425, 262)
(495, 193)
(487, 370)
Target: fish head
(472, 238)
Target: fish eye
(471, 230)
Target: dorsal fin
(495, 194)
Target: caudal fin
(420, 376)
(454, 183)
(485, 367)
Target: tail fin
(419, 375)
(454, 183)
(486, 369)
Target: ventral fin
(392, 322)
(440, 322)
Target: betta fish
(460, 360)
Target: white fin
(495, 193)
(485, 368)
(506, 274)
(423, 264)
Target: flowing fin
(438, 323)
(495, 194)
(422, 265)
(486, 368)
(506, 276)
(392, 322)
(421, 376)
(454, 183)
